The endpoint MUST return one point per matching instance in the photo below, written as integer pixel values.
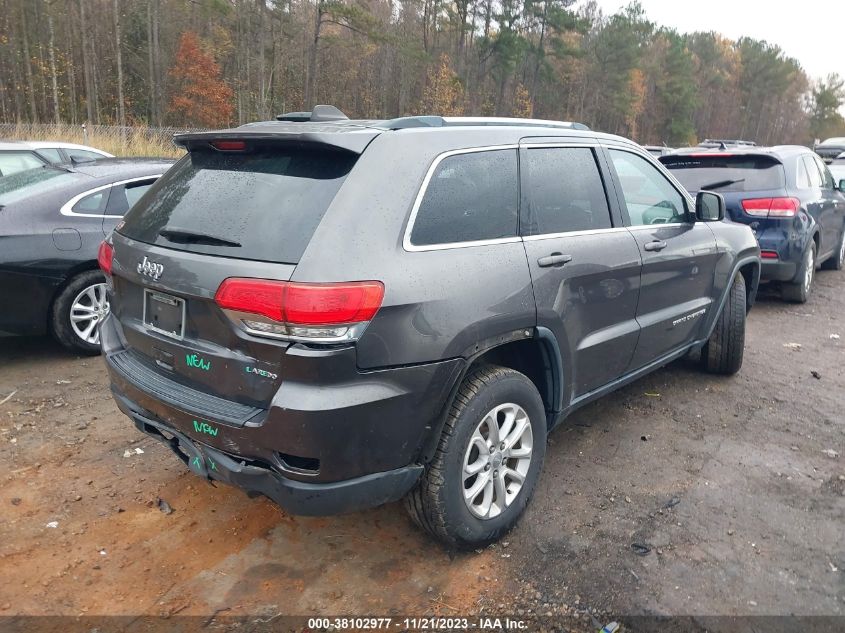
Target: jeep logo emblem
(150, 269)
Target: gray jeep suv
(338, 314)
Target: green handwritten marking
(213, 465)
(196, 463)
(205, 427)
(198, 362)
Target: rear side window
(565, 192)
(726, 173)
(92, 203)
(82, 154)
(812, 177)
(470, 197)
(263, 205)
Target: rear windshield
(726, 173)
(264, 205)
(33, 182)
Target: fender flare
(549, 342)
(740, 263)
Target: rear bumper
(776, 270)
(332, 439)
(295, 497)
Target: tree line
(209, 63)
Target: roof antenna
(322, 113)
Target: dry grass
(130, 141)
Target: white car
(837, 168)
(17, 156)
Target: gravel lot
(681, 494)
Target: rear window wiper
(722, 183)
(187, 236)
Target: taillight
(105, 255)
(772, 207)
(330, 312)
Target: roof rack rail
(320, 114)
(407, 122)
(724, 142)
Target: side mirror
(709, 207)
(842, 185)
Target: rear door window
(51, 154)
(726, 173)
(263, 205)
(566, 192)
(124, 197)
(827, 177)
(470, 197)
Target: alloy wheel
(497, 460)
(842, 249)
(89, 308)
(809, 269)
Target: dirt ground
(681, 494)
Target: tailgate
(172, 324)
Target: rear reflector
(768, 254)
(105, 255)
(302, 310)
(771, 207)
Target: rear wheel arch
(751, 273)
(538, 358)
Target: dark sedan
(830, 149)
(52, 221)
(789, 198)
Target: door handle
(555, 259)
(657, 245)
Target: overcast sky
(810, 30)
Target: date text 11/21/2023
(419, 623)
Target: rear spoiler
(354, 140)
(741, 153)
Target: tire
(438, 505)
(837, 260)
(84, 295)
(799, 292)
(722, 354)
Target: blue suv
(788, 197)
